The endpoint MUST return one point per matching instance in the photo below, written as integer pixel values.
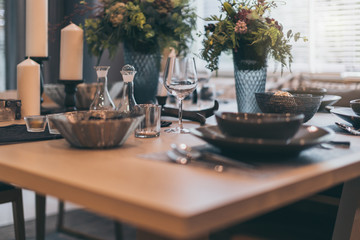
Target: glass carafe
(102, 99)
(127, 101)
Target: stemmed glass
(180, 79)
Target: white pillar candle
(71, 53)
(28, 87)
(37, 28)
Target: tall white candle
(37, 28)
(71, 53)
(28, 87)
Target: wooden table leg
(145, 235)
(347, 225)
(40, 202)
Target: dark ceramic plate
(306, 137)
(348, 115)
(328, 100)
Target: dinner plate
(328, 100)
(306, 137)
(348, 115)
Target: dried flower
(145, 25)
(116, 13)
(240, 27)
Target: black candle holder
(161, 100)
(40, 61)
(70, 91)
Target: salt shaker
(127, 101)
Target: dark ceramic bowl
(259, 125)
(96, 129)
(306, 104)
(355, 105)
(306, 90)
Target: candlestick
(71, 53)
(28, 87)
(70, 91)
(37, 28)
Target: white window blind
(335, 35)
(332, 27)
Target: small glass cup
(51, 126)
(35, 123)
(150, 125)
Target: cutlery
(332, 144)
(183, 160)
(193, 154)
(348, 128)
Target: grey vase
(250, 78)
(147, 76)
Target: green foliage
(246, 29)
(145, 25)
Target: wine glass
(180, 79)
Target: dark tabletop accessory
(17, 133)
(197, 116)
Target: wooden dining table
(136, 184)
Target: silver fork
(348, 128)
(193, 154)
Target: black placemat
(18, 133)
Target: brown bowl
(84, 95)
(96, 129)
(259, 125)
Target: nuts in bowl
(306, 104)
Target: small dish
(328, 100)
(36, 123)
(51, 126)
(259, 125)
(348, 115)
(306, 137)
(355, 106)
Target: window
(332, 26)
(2, 46)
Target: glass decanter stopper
(127, 101)
(102, 99)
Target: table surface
(162, 197)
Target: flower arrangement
(145, 25)
(248, 31)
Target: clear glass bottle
(127, 101)
(102, 99)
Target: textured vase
(250, 77)
(147, 76)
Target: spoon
(193, 154)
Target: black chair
(60, 227)
(9, 193)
